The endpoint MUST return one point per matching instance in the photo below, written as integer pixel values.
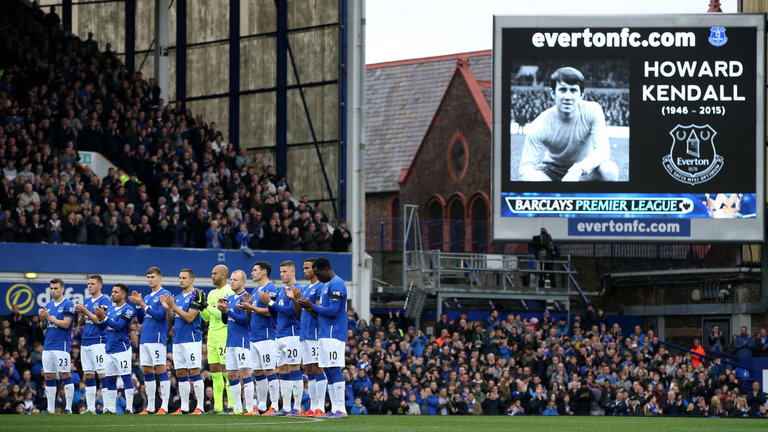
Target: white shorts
(119, 364)
(187, 355)
(331, 353)
(152, 354)
(56, 361)
(92, 358)
(310, 351)
(288, 349)
(238, 358)
(264, 355)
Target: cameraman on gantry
(545, 250)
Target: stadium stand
(177, 184)
(536, 366)
(504, 366)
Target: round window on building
(458, 157)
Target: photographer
(544, 250)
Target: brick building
(428, 136)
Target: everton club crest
(717, 36)
(693, 158)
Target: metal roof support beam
(66, 15)
(281, 95)
(234, 73)
(181, 50)
(162, 63)
(130, 34)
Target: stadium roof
(401, 100)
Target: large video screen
(646, 128)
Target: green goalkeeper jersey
(217, 330)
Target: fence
(458, 236)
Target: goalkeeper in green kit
(217, 335)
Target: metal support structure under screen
(413, 266)
(411, 236)
(458, 275)
(416, 295)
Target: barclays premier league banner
(620, 128)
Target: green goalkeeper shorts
(217, 343)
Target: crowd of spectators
(540, 365)
(529, 102)
(177, 183)
(536, 366)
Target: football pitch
(210, 423)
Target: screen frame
(701, 229)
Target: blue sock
(90, 382)
(260, 377)
(295, 375)
(164, 376)
(272, 377)
(334, 375)
(127, 382)
(149, 377)
(182, 379)
(70, 380)
(195, 378)
(247, 380)
(329, 376)
(320, 377)
(111, 383)
(235, 382)
(50, 383)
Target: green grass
(188, 423)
